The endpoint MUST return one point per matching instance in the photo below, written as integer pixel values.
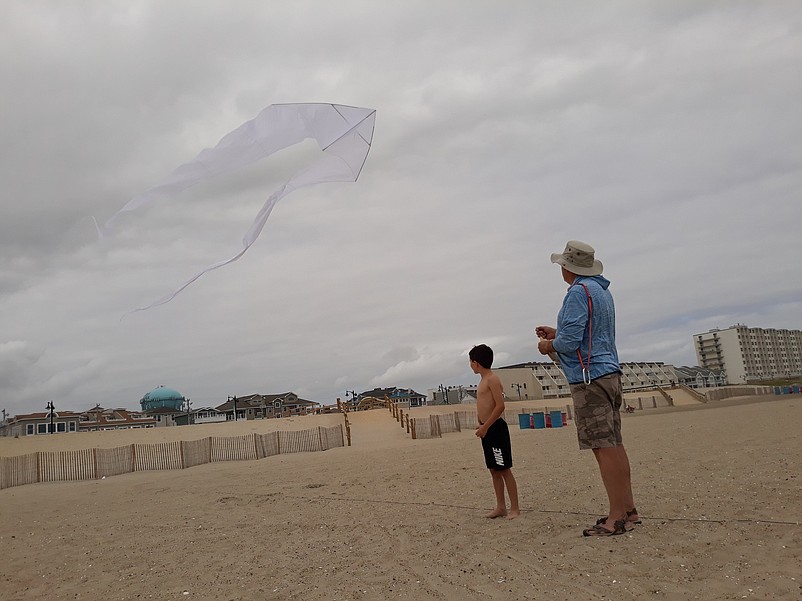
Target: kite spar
(343, 133)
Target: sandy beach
(718, 487)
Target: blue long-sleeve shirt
(572, 330)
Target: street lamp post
(444, 392)
(518, 386)
(51, 409)
(234, 398)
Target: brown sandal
(598, 530)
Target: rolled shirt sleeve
(571, 321)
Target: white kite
(343, 133)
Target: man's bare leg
(629, 499)
(615, 473)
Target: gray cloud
(665, 134)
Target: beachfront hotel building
(746, 353)
(539, 380)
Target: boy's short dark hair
(482, 354)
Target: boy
(494, 432)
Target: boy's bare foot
(514, 513)
(496, 513)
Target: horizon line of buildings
(538, 380)
(729, 356)
(164, 406)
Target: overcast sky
(668, 135)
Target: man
(584, 341)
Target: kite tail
(166, 299)
(247, 241)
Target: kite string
(552, 511)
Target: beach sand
(718, 487)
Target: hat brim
(596, 269)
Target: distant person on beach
(584, 340)
(494, 432)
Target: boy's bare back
(488, 395)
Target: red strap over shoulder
(586, 369)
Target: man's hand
(546, 332)
(544, 346)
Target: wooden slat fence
(233, 448)
(58, 466)
(160, 456)
(467, 420)
(88, 464)
(299, 442)
(437, 424)
(113, 462)
(331, 437)
(196, 452)
(426, 427)
(267, 444)
(16, 471)
(448, 422)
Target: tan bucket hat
(578, 258)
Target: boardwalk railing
(650, 402)
(719, 394)
(90, 464)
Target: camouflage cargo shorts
(597, 407)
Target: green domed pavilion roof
(161, 396)
(162, 393)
